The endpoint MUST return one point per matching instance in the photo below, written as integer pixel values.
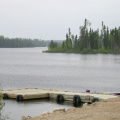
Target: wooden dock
(59, 95)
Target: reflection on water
(15, 110)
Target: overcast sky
(50, 19)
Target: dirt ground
(105, 110)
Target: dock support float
(76, 101)
(5, 96)
(19, 98)
(60, 98)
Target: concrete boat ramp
(59, 95)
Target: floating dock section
(60, 96)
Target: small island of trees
(89, 41)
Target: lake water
(30, 68)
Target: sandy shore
(105, 110)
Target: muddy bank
(105, 110)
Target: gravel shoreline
(105, 110)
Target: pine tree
(53, 44)
(84, 36)
(76, 43)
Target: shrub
(1, 104)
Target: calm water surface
(30, 68)
(15, 110)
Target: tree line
(91, 40)
(20, 42)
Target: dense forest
(90, 41)
(20, 42)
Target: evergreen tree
(53, 44)
(84, 36)
(119, 37)
(67, 40)
(63, 44)
(111, 40)
(76, 43)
